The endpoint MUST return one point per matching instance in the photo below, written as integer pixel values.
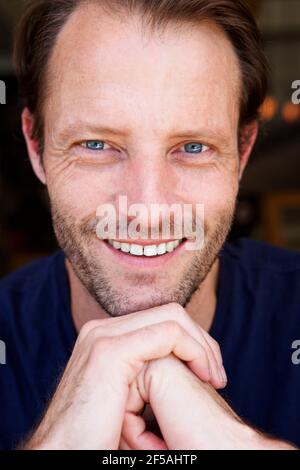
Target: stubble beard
(76, 242)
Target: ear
(247, 138)
(32, 145)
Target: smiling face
(150, 116)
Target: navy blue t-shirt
(256, 321)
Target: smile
(135, 249)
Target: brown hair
(42, 21)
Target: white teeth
(170, 247)
(162, 249)
(136, 250)
(125, 247)
(148, 250)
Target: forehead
(101, 64)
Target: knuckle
(101, 346)
(178, 312)
(101, 359)
(172, 328)
(149, 332)
(88, 327)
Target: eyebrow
(73, 129)
(218, 135)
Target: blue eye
(94, 144)
(194, 147)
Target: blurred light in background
(290, 112)
(269, 108)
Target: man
(155, 101)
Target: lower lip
(144, 261)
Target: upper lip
(144, 242)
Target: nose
(149, 180)
(150, 183)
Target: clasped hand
(158, 356)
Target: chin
(125, 305)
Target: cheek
(221, 193)
(216, 190)
(82, 191)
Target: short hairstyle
(42, 20)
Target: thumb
(136, 437)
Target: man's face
(122, 108)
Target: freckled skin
(152, 90)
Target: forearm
(256, 440)
(206, 420)
(240, 435)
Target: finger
(133, 349)
(214, 347)
(217, 378)
(170, 312)
(135, 434)
(173, 387)
(220, 370)
(124, 445)
(120, 359)
(218, 375)
(135, 403)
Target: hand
(190, 414)
(88, 408)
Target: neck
(201, 307)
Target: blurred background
(269, 200)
